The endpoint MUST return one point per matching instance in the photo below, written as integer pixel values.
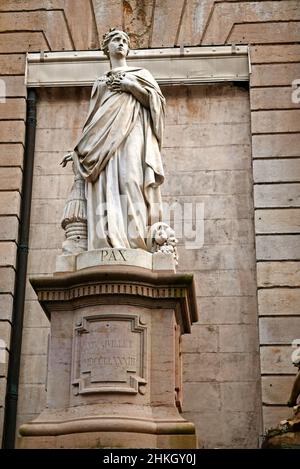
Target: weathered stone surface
(4, 363)
(238, 338)
(281, 330)
(51, 187)
(137, 20)
(3, 382)
(207, 369)
(275, 121)
(194, 20)
(224, 257)
(203, 339)
(217, 207)
(277, 221)
(276, 389)
(275, 74)
(33, 370)
(5, 331)
(229, 231)
(9, 228)
(237, 396)
(227, 14)
(62, 108)
(276, 360)
(56, 139)
(165, 14)
(11, 179)
(107, 15)
(34, 315)
(79, 16)
(278, 274)
(6, 303)
(42, 261)
(20, 41)
(45, 236)
(209, 434)
(52, 22)
(205, 134)
(259, 33)
(211, 182)
(275, 53)
(13, 108)
(183, 105)
(8, 252)
(228, 310)
(201, 397)
(272, 98)
(7, 280)
(276, 170)
(270, 146)
(12, 131)
(225, 283)
(35, 340)
(11, 154)
(280, 301)
(239, 366)
(81, 19)
(34, 398)
(221, 429)
(12, 64)
(215, 158)
(47, 209)
(277, 195)
(14, 86)
(278, 247)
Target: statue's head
(114, 34)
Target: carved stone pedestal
(114, 372)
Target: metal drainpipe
(11, 401)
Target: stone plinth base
(108, 257)
(114, 373)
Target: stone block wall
(272, 29)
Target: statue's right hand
(66, 159)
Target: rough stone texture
(11, 154)
(272, 98)
(277, 195)
(276, 170)
(274, 75)
(277, 221)
(276, 247)
(280, 301)
(279, 53)
(6, 302)
(272, 146)
(278, 274)
(276, 360)
(276, 389)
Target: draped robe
(118, 155)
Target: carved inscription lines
(109, 354)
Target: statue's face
(118, 46)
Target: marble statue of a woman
(118, 154)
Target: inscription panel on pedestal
(109, 354)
